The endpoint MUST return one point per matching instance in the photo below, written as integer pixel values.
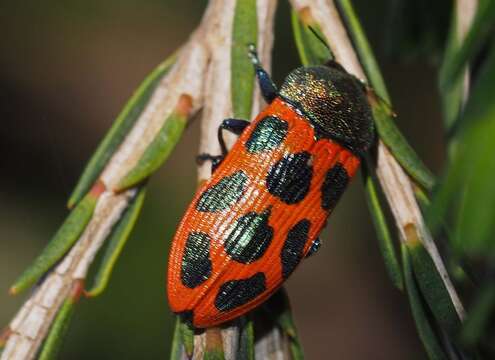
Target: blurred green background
(66, 70)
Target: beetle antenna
(319, 37)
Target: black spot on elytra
(333, 187)
(223, 194)
(290, 178)
(196, 263)
(249, 237)
(292, 252)
(236, 293)
(267, 135)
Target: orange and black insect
(268, 199)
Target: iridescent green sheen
(223, 194)
(289, 179)
(196, 263)
(249, 237)
(334, 102)
(268, 134)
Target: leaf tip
(14, 290)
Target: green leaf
(187, 337)
(382, 113)
(479, 316)
(433, 288)
(157, 152)
(215, 354)
(458, 55)
(58, 330)
(452, 95)
(116, 241)
(246, 341)
(311, 49)
(120, 128)
(365, 54)
(383, 233)
(245, 32)
(63, 240)
(426, 332)
(467, 194)
(398, 145)
(175, 352)
(415, 29)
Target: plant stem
(395, 183)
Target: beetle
(260, 214)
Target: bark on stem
(218, 106)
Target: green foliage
(382, 230)
(480, 316)
(463, 201)
(116, 241)
(465, 198)
(245, 32)
(53, 342)
(246, 341)
(433, 288)
(416, 29)
(119, 130)
(62, 241)
(157, 152)
(403, 152)
(457, 55)
(467, 185)
(312, 50)
(363, 49)
(380, 105)
(420, 312)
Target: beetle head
(334, 102)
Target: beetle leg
(315, 246)
(235, 126)
(267, 86)
(215, 160)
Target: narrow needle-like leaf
(431, 284)
(311, 49)
(119, 130)
(63, 240)
(458, 56)
(118, 237)
(402, 151)
(176, 348)
(53, 342)
(382, 113)
(245, 32)
(161, 147)
(428, 336)
(246, 340)
(382, 230)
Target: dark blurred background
(66, 70)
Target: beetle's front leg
(267, 86)
(235, 126)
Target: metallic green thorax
(334, 102)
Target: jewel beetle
(261, 212)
